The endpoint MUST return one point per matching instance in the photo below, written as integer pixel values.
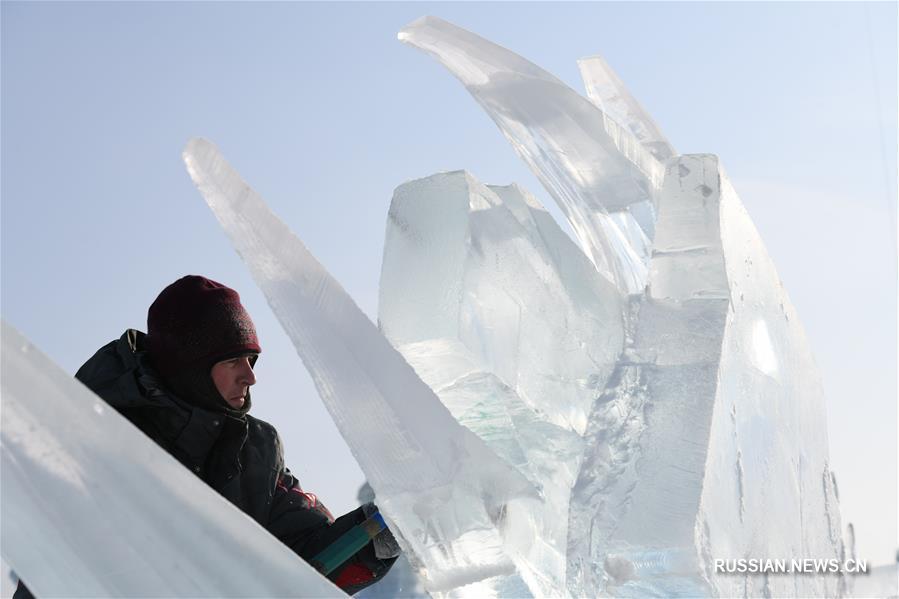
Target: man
(186, 385)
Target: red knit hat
(196, 322)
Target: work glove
(384, 543)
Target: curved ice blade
(442, 488)
(591, 165)
(606, 90)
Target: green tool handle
(350, 542)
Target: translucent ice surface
(509, 323)
(606, 90)
(768, 488)
(448, 496)
(600, 174)
(91, 507)
(488, 269)
(711, 442)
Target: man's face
(233, 378)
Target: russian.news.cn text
(790, 566)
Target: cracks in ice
(829, 488)
(739, 463)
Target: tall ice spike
(445, 492)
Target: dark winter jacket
(240, 457)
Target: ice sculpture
(91, 507)
(708, 439)
(448, 496)
(596, 421)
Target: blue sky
(324, 112)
